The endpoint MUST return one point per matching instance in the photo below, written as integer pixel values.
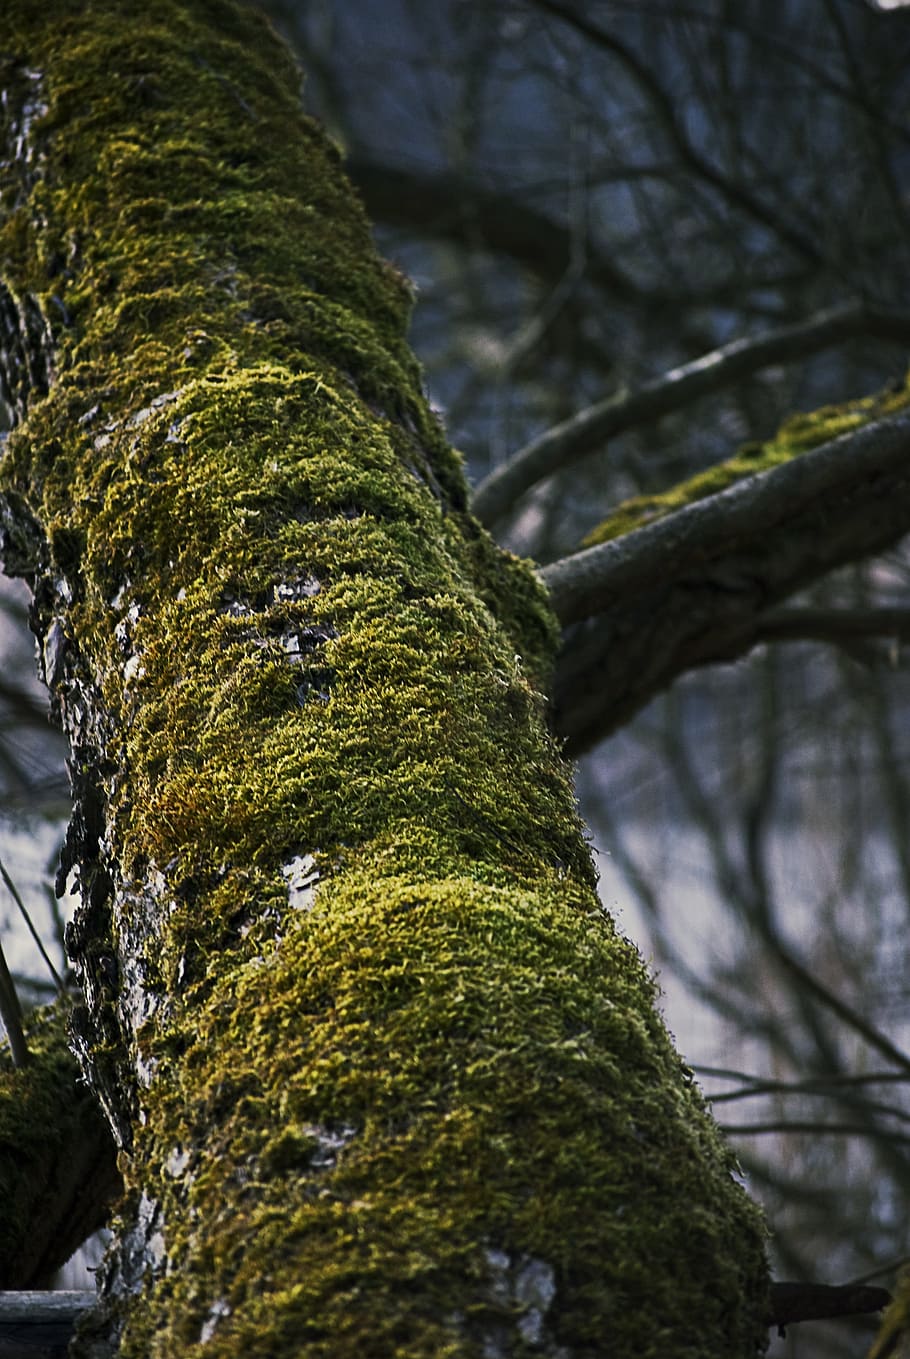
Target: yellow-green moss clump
(387, 1080)
(796, 435)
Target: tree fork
(383, 1076)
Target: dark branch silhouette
(792, 1302)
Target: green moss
(796, 435)
(369, 1121)
(542, 1115)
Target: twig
(844, 1012)
(785, 1125)
(814, 1085)
(58, 980)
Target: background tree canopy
(589, 198)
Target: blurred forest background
(588, 195)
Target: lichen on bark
(385, 1078)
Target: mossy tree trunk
(384, 1077)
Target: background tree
(678, 219)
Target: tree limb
(846, 1013)
(791, 1302)
(443, 205)
(587, 431)
(694, 587)
(832, 625)
(39, 1322)
(46, 1320)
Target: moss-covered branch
(589, 430)
(385, 1078)
(688, 578)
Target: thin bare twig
(14, 892)
(814, 1127)
(851, 1017)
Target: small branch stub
(792, 1302)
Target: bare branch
(45, 1320)
(851, 1017)
(39, 1321)
(693, 588)
(443, 205)
(587, 431)
(738, 195)
(814, 1127)
(832, 625)
(814, 1085)
(791, 1302)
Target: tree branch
(734, 522)
(58, 1172)
(30, 925)
(838, 626)
(791, 1302)
(39, 1322)
(846, 1013)
(737, 195)
(813, 1127)
(587, 431)
(694, 587)
(46, 1320)
(444, 205)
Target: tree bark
(383, 1076)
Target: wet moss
(382, 1116)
